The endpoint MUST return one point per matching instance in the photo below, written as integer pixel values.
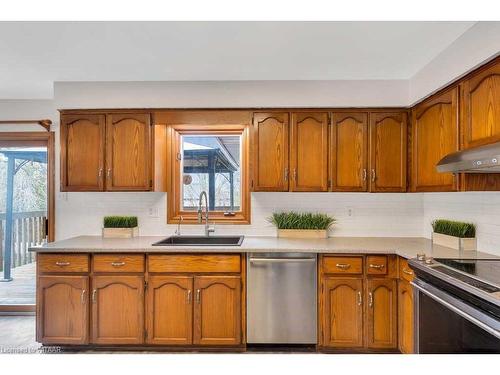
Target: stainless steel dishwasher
(281, 298)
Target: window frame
(174, 174)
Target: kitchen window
(213, 159)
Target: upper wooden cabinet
(270, 151)
(82, 152)
(388, 135)
(434, 134)
(128, 155)
(309, 152)
(481, 106)
(349, 151)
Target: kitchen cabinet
(480, 93)
(217, 310)
(82, 152)
(128, 151)
(309, 151)
(435, 133)
(270, 133)
(62, 309)
(388, 136)
(381, 313)
(405, 317)
(349, 151)
(343, 312)
(169, 306)
(118, 309)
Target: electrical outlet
(154, 212)
(350, 211)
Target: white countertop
(407, 247)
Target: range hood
(483, 159)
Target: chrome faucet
(208, 230)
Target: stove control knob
(421, 257)
(429, 261)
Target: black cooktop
(487, 270)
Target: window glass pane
(211, 163)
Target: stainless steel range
(457, 305)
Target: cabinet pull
(370, 299)
(294, 174)
(83, 296)
(407, 271)
(376, 266)
(360, 299)
(343, 266)
(373, 175)
(198, 296)
(364, 174)
(286, 174)
(94, 292)
(117, 264)
(189, 297)
(62, 264)
(109, 172)
(100, 172)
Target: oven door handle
(458, 307)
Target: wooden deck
(21, 290)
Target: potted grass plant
(455, 234)
(120, 227)
(302, 225)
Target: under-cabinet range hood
(483, 159)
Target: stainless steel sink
(201, 241)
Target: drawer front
(194, 263)
(376, 265)
(118, 263)
(61, 263)
(343, 265)
(405, 272)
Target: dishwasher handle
(282, 260)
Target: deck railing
(28, 229)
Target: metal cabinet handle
(407, 271)
(360, 299)
(198, 296)
(373, 175)
(109, 172)
(62, 264)
(294, 174)
(343, 266)
(189, 297)
(117, 264)
(376, 266)
(100, 172)
(364, 174)
(83, 296)
(94, 292)
(370, 299)
(286, 174)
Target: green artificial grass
(295, 220)
(120, 221)
(454, 228)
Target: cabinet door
(128, 138)
(349, 151)
(309, 152)
(270, 149)
(405, 317)
(434, 135)
(217, 310)
(388, 152)
(481, 107)
(169, 310)
(118, 309)
(82, 152)
(342, 313)
(381, 313)
(62, 310)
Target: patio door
(25, 166)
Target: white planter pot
(463, 244)
(120, 232)
(303, 233)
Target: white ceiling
(34, 55)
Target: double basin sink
(200, 241)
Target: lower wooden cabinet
(381, 313)
(405, 317)
(118, 309)
(62, 309)
(343, 312)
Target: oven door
(446, 324)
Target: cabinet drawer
(193, 263)
(60, 263)
(343, 265)
(405, 272)
(376, 265)
(118, 263)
